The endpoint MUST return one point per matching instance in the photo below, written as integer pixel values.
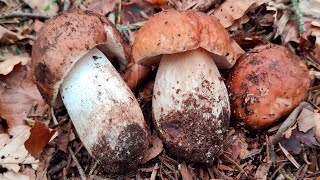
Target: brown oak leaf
(40, 135)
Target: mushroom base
(105, 113)
(190, 105)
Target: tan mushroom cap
(173, 31)
(267, 84)
(64, 39)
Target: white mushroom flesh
(98, 101)
(189, 73)
(190, 105)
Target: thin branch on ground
(299, 16)
(81, 172)
(24, 14)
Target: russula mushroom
(70, 57)
(190, 103)
(267, 84)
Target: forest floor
(289, 152)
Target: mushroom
(267, 84)
(190, 103)
(71, 57)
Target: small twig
(94, 167)
(95, 177)
(220, 174)
(81, 172)
(305, 156)
(119, 12)
(285, 174)
(268, 149)
(54, 119)
(78, 149)
(66, 169)
(277, 170)
(25, 14)
(299, 16)
(313, 174)
(302, 171)
(289, 156)
(154, 172)
(235, 163)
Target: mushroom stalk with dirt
(71, 57)
(190, 102)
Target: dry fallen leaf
(310, 8)
(239, 147)
(9, 37)
(8, 62)
(290, 33)
(315, 31)
(262, 171)
(45, 159)
(288, 133)
(239, 22)
(65, 135)
(136, 12)
(231, 10)
(102, 7)
(306, 120)
(40, 135)
(298, 138)
(10, 175)
(29, 172)
(47, 7)
(154, 151)
(19, 95)
(13, 152)
(317, 125)
(301, 129)
(281, 23)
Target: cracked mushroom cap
(64, 39)
(172, 31)
(267, 84)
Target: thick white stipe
(98, 100)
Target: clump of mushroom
(190, 102)
(267, 84)
(71, 57)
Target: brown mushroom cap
(64, 39)
(173, 31)
(267, 84)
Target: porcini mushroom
(267, 84)
(70, 56)
(190, 101)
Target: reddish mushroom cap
(64, 39)
(172, 31)
(267, 84)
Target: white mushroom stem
(189, 82)
(99, 103)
